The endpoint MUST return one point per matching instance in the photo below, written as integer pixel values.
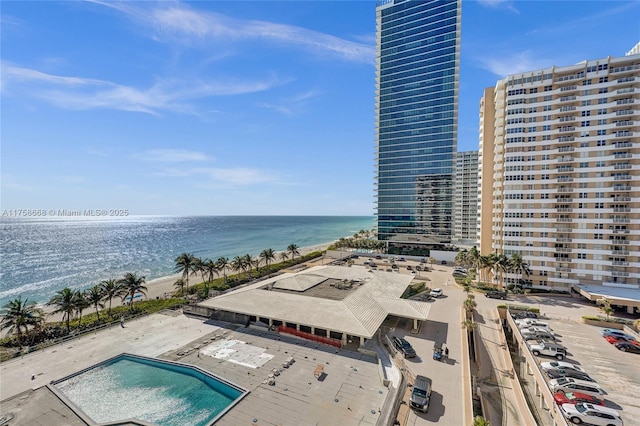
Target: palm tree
(486, 263)
(605, 306)
(249, 263)
(19, 315)
(500, 266)
(481, 421)
(222, 264)
(284, 256)
(132, 284)
(474, 260)
(237, 264)
(179, 284)
(267, 256)
(81, 303)
(210, 268)
(110, 288)
(95, 297)
(198, 266)
(293, 249)
(461, 258)
(470, 325)
(64, 301)
(469, 304)
(519, 266)
(186, 263)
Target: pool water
(165, 394)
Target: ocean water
(40, 256)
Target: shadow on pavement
(436, 408)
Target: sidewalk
(504, 402)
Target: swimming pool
(161, 392)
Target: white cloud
(239, 175)
(499, 4)
(174, 19)
(171, 155)
(514, 64)
(79, 93)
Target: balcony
(621, 187)
(561, 169)
(563, 210)
(566, 129)
(564, 249)
(625, 144)
(564, 219)
(564, 240)
(616, 273)
(622, 155)
(566, 148)
(624, 69)
(565, 179)
(625, 101)
(621, 231)
(625, 80)
(621, 210)
(620, 252)
(620, 219)
(565, 189)
(567, 99)
(621, 166)
(618, 199)
(563, 269)
(564, 159)
(623, 242)
(620, 263)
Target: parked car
(613, 332)
(496, 294)
(403, 346)
(537, 333)
(523, 314)
(409, 268)
(548, 349)
(592, 414)
(532, 322)
(556, 373)
(421, 393)
(627, 347)
(568, 384)
(566, 397)
(560, 364)
(436, 292)
(444, 262)
(619, 339)
(418, 268)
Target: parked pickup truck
(548, 349)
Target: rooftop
(353, 300)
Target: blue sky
(238, 107)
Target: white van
(568, 384)
(421, 393)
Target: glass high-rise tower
(417, 67)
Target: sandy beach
(160, 287)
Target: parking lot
(616, 372)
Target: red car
(619, 339)
(562, 397)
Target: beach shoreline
(162, 287)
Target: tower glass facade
(416, 116)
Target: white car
(568, 384)
(591, 414)
(560, 364)
(436, 292)
(530, 322)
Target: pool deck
(349, 392)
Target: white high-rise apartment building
(564, 191)
(465, 198)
